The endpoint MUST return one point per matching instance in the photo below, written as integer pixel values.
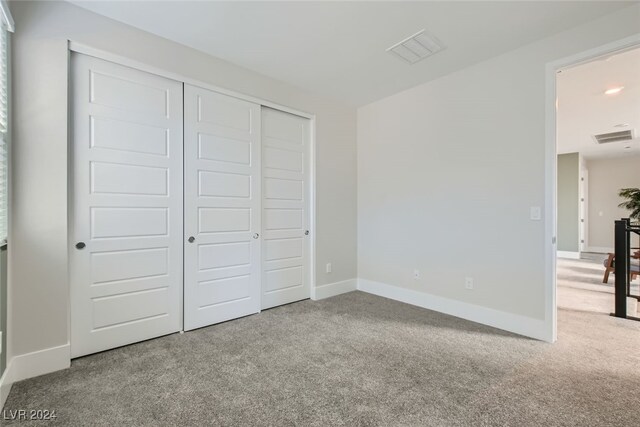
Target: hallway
(580, 286)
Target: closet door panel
(222, 207)
(285, 208)
(126, 270)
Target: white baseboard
(39, 362)
(599, 249)
(333, 289)
(568, 254)
(5, 385)
(517, 324)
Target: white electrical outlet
(328, 267)
(468, 282)
(416, 274)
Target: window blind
(4, 129)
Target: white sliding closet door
(222, 207)
(285, 208)
(126, 228)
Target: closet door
(222, 207)
(126, 225)
(285, 208)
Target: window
(6, 25)
(4, 130)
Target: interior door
(584, 183)
(126, 225)
(285, 208)
(222, 207)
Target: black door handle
(80, 245)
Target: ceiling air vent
(417, 47)
(605, 138)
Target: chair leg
(608, 268)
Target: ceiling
(338, 49)
(584, 110)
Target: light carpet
(355, 359)
(580, 287)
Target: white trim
(568, 254)
(550, 199)
(39, 362)
(527, 326)
(5, 386)
(599, 249)
(128, 62)
(6, 16)
(333, 289)
(312, 208)
(33, 364)
(551, 165)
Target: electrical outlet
(328, 267)
(416, 274)
(468, 282)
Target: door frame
(551, 160)
(73, 46)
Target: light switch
(536, 213)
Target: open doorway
(598, 155)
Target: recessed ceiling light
(613, 90)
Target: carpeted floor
(355, 359)
(580, 287)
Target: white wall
(606, 178)
(448, 170)
(38, 259)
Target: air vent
(606, 138)
(417, 47)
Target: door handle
(191, 239)
(256, 235)
(306, 232)
(80, 245)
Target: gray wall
(568, 202)
(606, 178)
(38, 282)
(448, 171)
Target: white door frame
(123, 60)
(551, 160)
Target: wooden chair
(609, 267)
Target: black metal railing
(622, 265)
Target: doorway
(596, 153)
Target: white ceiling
(584, 110)
(338, 48)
